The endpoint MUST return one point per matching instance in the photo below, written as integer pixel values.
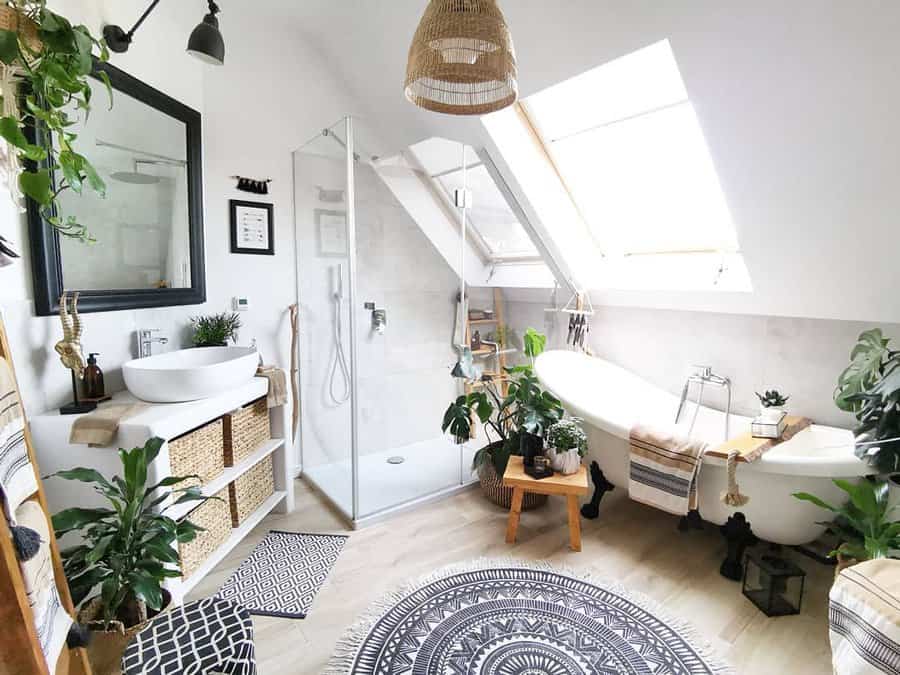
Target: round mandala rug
(519, 618)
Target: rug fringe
(349, 645)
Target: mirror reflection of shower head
(136, 177)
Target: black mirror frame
(45, 252)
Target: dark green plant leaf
(76, 518)
(9, 46)
(36, 184)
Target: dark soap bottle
(93, 379)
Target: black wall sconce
(205, 43)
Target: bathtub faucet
(701, 376)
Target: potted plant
(214, 330)
(54, 60)
(116, 573)
(566, 445)
(526, 409)
(864, 523)
(771, 404)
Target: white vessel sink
(189, 374)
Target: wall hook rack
(256, 186)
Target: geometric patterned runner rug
(283, 573)
(512, 617)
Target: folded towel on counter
(17, 480)
(664, 469)
(277, 385)
(864, 618)
(99, 428)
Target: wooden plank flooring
(629, 543)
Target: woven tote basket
(214, 516)
(245, 430)
(250, 490)
(12, 20)
(199, 452)
(493, 489)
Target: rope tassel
(732, 496)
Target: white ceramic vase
(566, 462)
(772, 413)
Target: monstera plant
(54, 60)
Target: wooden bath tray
(750, 448)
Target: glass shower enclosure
(378, 307)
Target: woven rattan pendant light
(462, 60)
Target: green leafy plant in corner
(568, 434)
(129, 545)
(772, 398)
(215, 330)
(56, 73)
(864, 523)
(870, 388)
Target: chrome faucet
(145, 341)
(703, 375)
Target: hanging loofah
(26, 541)
(79, 636)
(732, 496)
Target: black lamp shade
(206, 41)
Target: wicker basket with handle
(493, 489)
(245, 430)
(250, 490)
(199, 452)
(215, 517)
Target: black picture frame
(233, 205)
(45, 251)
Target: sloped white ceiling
(798, 102)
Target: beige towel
(277, 385)
(99, 428)
(664, 469)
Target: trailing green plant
(772, 398)
(56, 73)
(128, 547)
(864, 523)
(568, 434)
(214, 330)
(527, 407)
(870, 388)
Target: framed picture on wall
(252, 227)
(332, 233)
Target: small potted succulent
(566, 445)
(771, 404)
(215, 330)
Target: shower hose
(340, 359)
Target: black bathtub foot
(692, 521)
(591, 510)
(739, 536)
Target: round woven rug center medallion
(507, 619)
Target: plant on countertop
(55, 59)
(870, 388)
(526, 408)
(772, 398)
(214, 330)
(127, 548)
(863, 523)
(567, 434)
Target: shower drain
(396, 459)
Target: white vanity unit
(168, 421)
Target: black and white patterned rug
(519, 618)
(283, 573)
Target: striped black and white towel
(664, 469)
(17, 479)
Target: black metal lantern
(773, 584)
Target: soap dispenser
(93, 378)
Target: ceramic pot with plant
(566, 445)
(127, 551)
(771, 405)
(215, 330)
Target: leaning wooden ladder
(498, 373)
(20, 648)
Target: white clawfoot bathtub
(611, 400)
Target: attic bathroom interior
(449, 336)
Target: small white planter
(566, 462)
(772, 413)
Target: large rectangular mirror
(149, 227)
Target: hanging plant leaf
(37, 186)
(9, 46)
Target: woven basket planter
(492, 487)
(12, 20)
(199, 452)
(245, 430)
(250, 490)
(214, 515)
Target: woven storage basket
(493, 489)
(250, 490)
(12, 20)
(245, 430)
(215, 517)
(199, 452)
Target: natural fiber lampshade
(462, 60)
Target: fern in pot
(566, 445)
(127, 550)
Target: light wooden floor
(636, 545)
